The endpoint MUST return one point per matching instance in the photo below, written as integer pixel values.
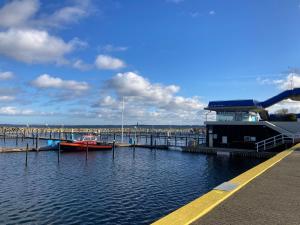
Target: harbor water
(135, 187)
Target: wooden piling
(58, 153)
(114, 144)
(87, 151)
(26, 159)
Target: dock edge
(199, 207)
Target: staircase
(280, 139)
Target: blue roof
(253, 104)
(234, 103)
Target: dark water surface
(137, 187)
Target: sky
(74, 61)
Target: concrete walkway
(271, 198)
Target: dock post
(26, 160)
(17, 137)
(58, 153)
(114, 142)
(37, 142)
(87, 151)
(32, 134)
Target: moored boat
(86, 142)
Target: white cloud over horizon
(14, 111)
(147, 101)
(291, 80)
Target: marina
(169, 112)
(135, 187)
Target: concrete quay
(267, 194)
(272, 198)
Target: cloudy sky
(73, 61)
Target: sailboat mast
(123, 106)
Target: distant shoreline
(102, 126)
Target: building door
(211, 140)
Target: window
(253, 139)
(224, 139)
(249, 139)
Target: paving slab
(270, 199)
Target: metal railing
(277, 140)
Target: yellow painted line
(199, 207)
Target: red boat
(87, 142)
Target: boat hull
(65, 146)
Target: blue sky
(72, 62)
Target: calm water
(134, 188)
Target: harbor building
(247, 124)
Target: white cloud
(34, 46)
(23, 13)
(6, 98)
(45, 81)
(147, 102)
(112, 48)
(79, 64)
(132, 84)
(290, 105)
(18, 12)
(66, 15)
(292, 80)
(26, 38)
(6, 75)
(14, 111)
(106, 62)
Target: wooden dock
(229, 152)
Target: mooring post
(37, 142)
(32, 134)
(114, 143)
(58, 153)
(26, 159)
(87, 151)
(17, 140)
